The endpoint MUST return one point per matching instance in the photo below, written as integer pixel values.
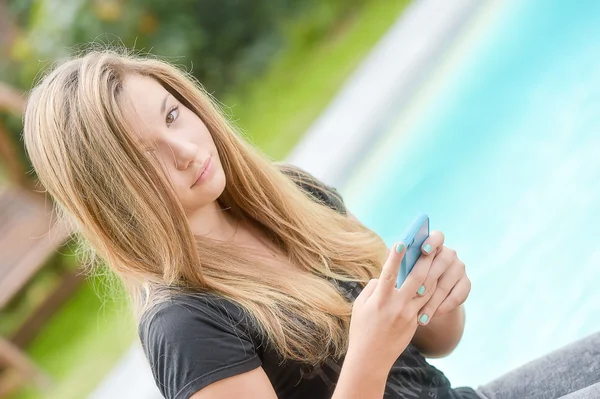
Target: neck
(213, 222)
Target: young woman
(247, 276)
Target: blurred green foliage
(223, 42)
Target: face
(178, 138)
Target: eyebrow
(164, 103)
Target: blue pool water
(501, 147)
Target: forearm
(359, 381)
(441, 335)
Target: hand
(447, 278)
(384, 318)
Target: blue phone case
(414, 237)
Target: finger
(420, 300)
(416, 278)
(433, 242)
(436, 266)
(445, 285)
(457, 296)
(389, 273)
(442, 261)
(366, 293)
(439, 264)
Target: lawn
(92, 331)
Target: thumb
(367, 291)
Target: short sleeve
(317, 189)
(193, 343)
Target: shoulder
(316, 188)
(186, 308)
(192, 341)
(191, 317)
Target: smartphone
(414, 237)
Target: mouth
(203, 171)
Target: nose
(185, 153)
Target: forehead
(143, 99)
(145, 94)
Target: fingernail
(421, 290)
(399, 247)
(427, 249)
(424, 318)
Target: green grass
(86, 338)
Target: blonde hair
(126, 212)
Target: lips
(202, 169)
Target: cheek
(202, 130)
(207, 140)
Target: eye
(172, 115)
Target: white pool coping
(385, 81)
(340, 137)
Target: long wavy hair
(127, 216)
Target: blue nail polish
(424, 318)
(399, 247)
(427, 249)
(421, 290)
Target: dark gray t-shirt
(193, 341)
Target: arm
(253, 384)
(353, 383)
(442, 334)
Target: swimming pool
(501, 147)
